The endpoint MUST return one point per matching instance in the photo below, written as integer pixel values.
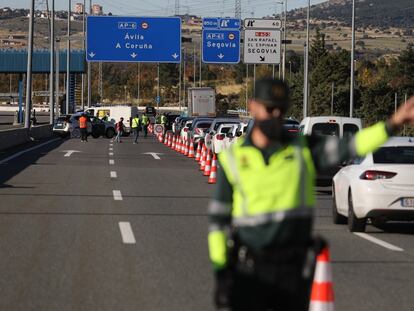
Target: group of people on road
(137, 124)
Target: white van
(114, 113)
(330, 126)
(341, 127)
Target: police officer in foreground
(261, 216)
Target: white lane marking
(154, 155)
(111, 162)
(126, 232)
(69, 152)
(117, 195)
(113, 174)
(111, 149)
(111, 153)
(18, 154)
(378, 242)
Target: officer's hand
(223, 291)
(404, 114)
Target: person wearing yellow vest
(135, 125)
(145, 122)
(260, 235)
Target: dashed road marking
(126, 232)
(111, 149)
(111, 162)
(113, 174)
(117, 195)
(379, 242)
(111, 154)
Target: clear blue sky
(257, 8)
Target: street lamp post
(352, 86)
(68, 61)
(52, 63)
(29, 69)
(306, 67)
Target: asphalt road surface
(110, 228)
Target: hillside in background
(377, 13)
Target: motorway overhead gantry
(133, 39)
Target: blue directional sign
(133, 39)
(221, 40)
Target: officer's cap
(273, 93)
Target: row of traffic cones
(202, 155)
(322, 295)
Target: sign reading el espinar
(133, 39)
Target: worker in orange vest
(83, 125)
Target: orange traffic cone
(198, 153)
(177, 145)
(213, 174)
(203, 158)
(187, 147)
(169, 140)
(322, 296)
(207, 168)
(173, 143)
(191, 151)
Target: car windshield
(216, 126)
(394, 155)
(225, 130)
(203, 125)
(325, 129)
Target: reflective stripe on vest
(269, 192)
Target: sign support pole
(158, 85)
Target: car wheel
(355, 224)
(337, 218)
(76, 133)
(95, 135)
(110, 133)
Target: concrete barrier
(14, 137)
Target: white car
(185, 131)
(226, 133)
(379, 187)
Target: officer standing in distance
(261, 214)
(145, 122)
(135, 128)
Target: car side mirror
(239, 133)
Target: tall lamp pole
(352, 87)
(89, 68)
(68, 61)
(29, 69)
(52, 63)
(306, 67)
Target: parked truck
(201, 101)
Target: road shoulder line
(379, 242)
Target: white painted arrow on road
(92, 54)
(69, 152)
(134, 55)
(175, 55)
(220, 56)
(154, 155)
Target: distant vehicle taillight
(220, 136)
(293, 130)
(198, 131)
(186, 129)
(374, 175)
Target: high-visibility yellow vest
(135, 123)
(145, 120)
